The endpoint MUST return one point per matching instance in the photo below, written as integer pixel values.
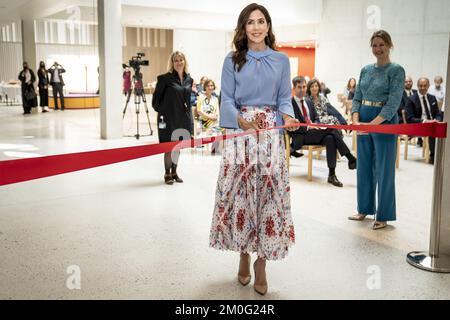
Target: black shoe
(431, 161)
(43, 111)
(168, 179)
(334, 181)
(56, 109)
(62, 109)
(177, 178)
(420, 142)
(352, 164)
(296, 154)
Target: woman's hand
(290, 122)
(247, 125)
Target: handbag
(29, 94)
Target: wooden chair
(407, 139)
(309, 148)
(199, 132)
(426, 149)
(346, 105)
(197, 126)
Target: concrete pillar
(444, 234)
(110, 56)
(29, 48)
(28, 43)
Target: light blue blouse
(264, 80)
(381, 84)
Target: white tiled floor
(134, 237)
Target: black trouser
(330, 138)
(43, 97)
(27, 104)
(58, 88)
(432, 145)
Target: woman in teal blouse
(252, 212)
(376, 101)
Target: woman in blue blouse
(377, 98)
(252, 210)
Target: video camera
(136, 61)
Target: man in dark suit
(330, 138)
(57, 82)
(408, 92)
(422, 107)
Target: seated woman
(326, 113)
(208, 109)
(349, 91)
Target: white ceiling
(215, 15)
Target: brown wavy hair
(240, 40)
(348, 84)
(310, 84)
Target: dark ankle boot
(175, 175)
(168, 178)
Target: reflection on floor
(134, 237)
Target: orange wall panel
(306, 58)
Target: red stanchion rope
(14, 171)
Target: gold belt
(372, 103)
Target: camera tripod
(138, 95)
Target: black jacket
(43, 79)
(22, 78)
(299, 115)
(403, 104)
(60, 72)
(414, 109)
(171, 100)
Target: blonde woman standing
(171, 100)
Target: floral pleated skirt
(252, 211)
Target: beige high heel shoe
(379, 225)
(244, 263)
(260, 284)
(357, 217)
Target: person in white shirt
(57, 82)
(438, 91)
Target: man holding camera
(57, 82)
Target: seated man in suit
(330, 138)
(422, 107)
(409, 91)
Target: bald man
(422, 107)
(409, 91)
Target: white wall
(419, 29)
(204, 50)
(80, 62)
(298, 33)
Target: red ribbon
(14, 171)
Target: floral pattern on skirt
(252, 211)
